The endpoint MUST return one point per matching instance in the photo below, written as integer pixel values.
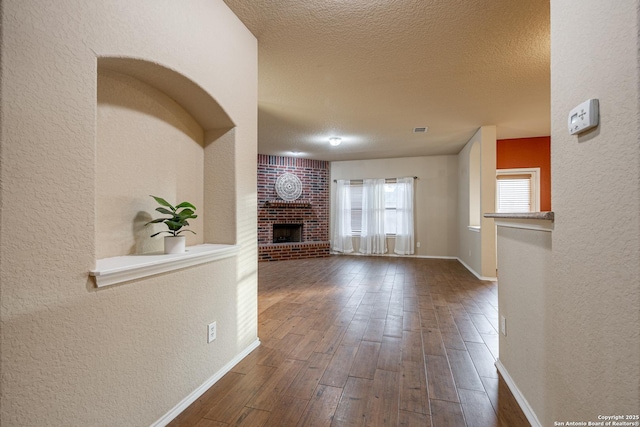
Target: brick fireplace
(299, 228)
(287, 233)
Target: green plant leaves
(164, 211)
(186, 213)
(190, 231)
(155, 221)
(163, 202)
(173, 225)
(185, 205)
(177, 219)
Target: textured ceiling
(370, 71)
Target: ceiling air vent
(420, 130)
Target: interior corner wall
(219, 177)
(488, 201)
(435, 197)
(477, 247)
(73, 354)
(592, 307)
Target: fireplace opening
(286, 233)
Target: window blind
(356, 207)
(514, 193)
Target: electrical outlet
(503, 325)
(213, 331)
(418, 244)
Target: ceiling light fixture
(335, 141)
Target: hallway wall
(589, 298)
(72, 354)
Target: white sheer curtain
(372, 237)
(342, 240)
(404, 216)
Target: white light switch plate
(584, 116)
(503, 325)
(212, 332)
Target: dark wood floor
(366, 341)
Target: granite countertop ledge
(521, 215)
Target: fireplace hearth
(287, 233)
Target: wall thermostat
(584, 117)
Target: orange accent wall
(528, 153)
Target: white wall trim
(194, 395)
(490, 279)
(535, 177)
(110, 271)
(434, 257)
(390, 254)
(527, 224)
(524, 405)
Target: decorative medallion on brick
(288, 187)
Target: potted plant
(178, 216)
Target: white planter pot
(174, 244)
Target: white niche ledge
(110, 271)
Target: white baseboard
(490, 279)
(524, 405)
(433, 257)
(194, 395)
(389, 254)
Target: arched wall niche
(159, 133)
(191, 96)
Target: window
(356, 207)
(517, 190)
(390, 207)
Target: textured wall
(435, 196)
(477, 249)
(528, 153)
(488, 200)
(468, 241)
(593, 304)
(580, 357)
(73, 355)
(221, 204)
(524, 261)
